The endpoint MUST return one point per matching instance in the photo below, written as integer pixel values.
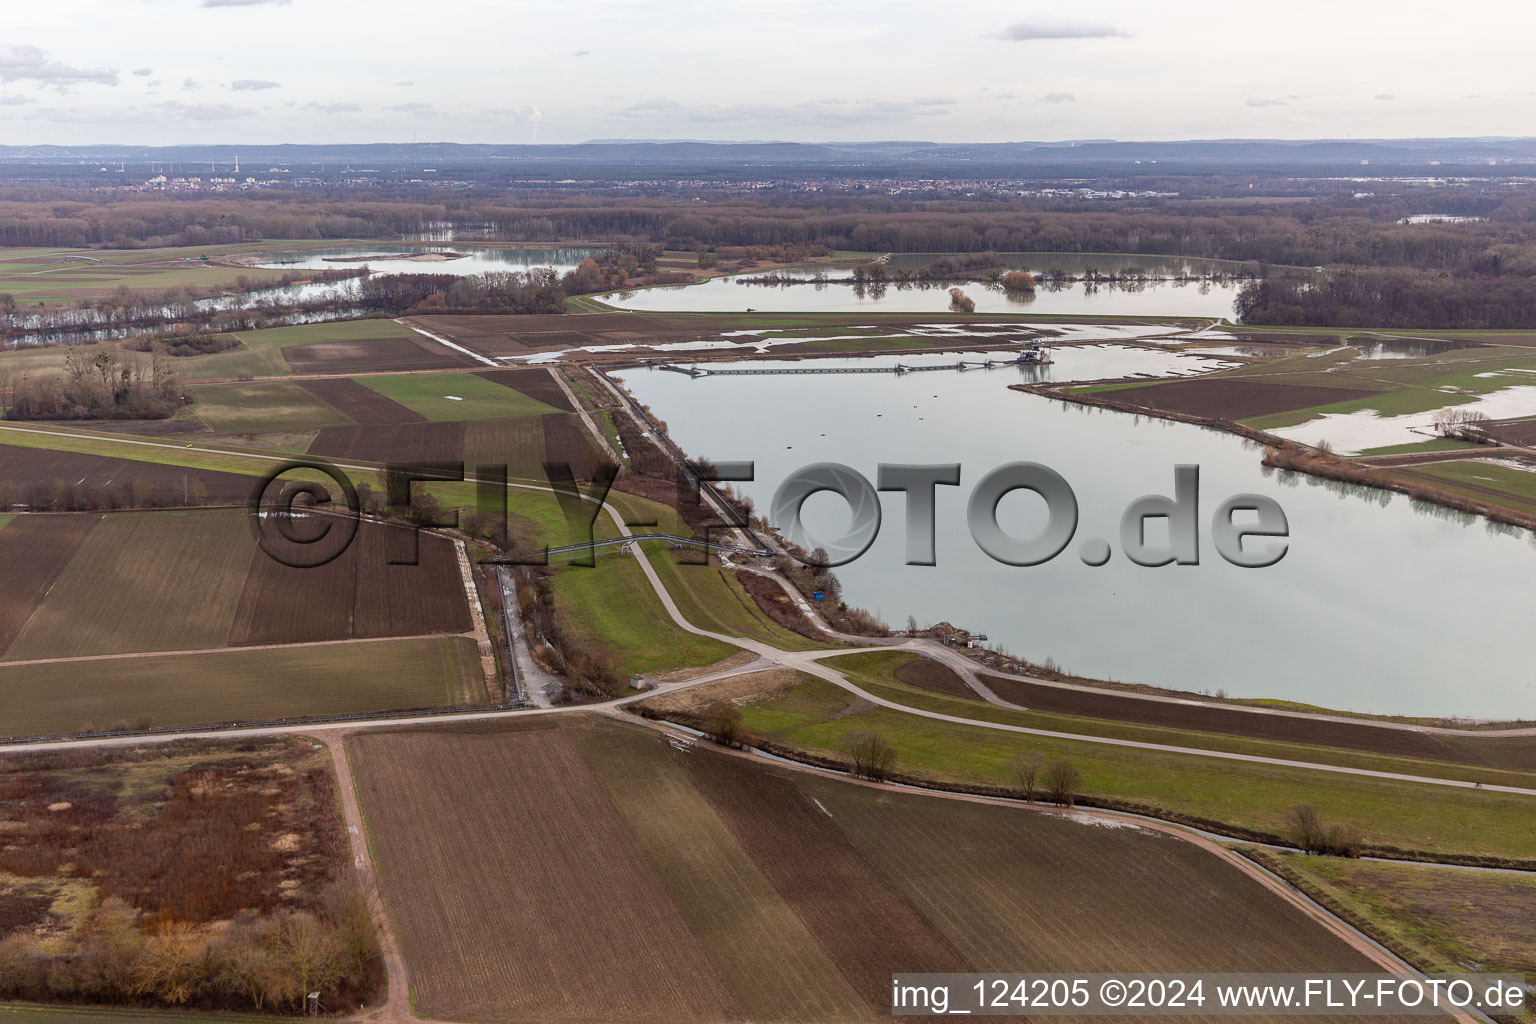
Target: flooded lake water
(1368, 610)
(1164, 291)
(476, 259)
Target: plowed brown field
(359, 404)
(129, 482)
(535, 382)
(359, 594)
(1233, 721)
(378, 355)
(392, 442)
(34, 550)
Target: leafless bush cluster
(182, 906)
(106, 384)
(1309, 832)
(262, 963)
(1462, 424)
(873, 756)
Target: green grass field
(238, 685)
(260, 353)
(1403, 386)
(53, 277)
(1516, 487)
(144, 581)
(1439, 444)
(613, 610)
(261, 406)
(817, 717)
(56, 276)
(711, 599)
(472, 398)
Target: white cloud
(15, 101)
(155, 113)
(143, 72)
(1259, 101)
(22, 63)
(1029, 31)
(1058, 97)
(252, 85)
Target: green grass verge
(612, 609)
(1479, 481)
(1439, 444)
(875, 672)
(818, 718)
(710, 598)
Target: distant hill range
(643, 153)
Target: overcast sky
(215, 71)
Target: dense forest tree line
(533, 291)
(541, 290)
(238, 306)
(144, 222)
(1436, 274)
(1302, 234)
(1391, 297)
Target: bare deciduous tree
(1462, 424)
(1061, 782)
(873, 756)
(723, 723)
(1025, 770)
(1312, 836)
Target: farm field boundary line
(808, 661)
(476, 356)
(480, 632)
(223, 650)
(1356, 938)
(397, 1000)
(933, 647)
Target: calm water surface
(1149, 297)
(477, 260)
(1370, 610)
